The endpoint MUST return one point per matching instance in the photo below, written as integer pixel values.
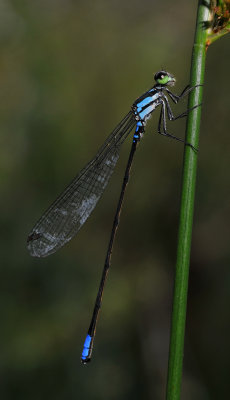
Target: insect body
(63, 219)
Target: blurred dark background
(69, 71)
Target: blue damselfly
(63, 219)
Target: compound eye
(160, 75)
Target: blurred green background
(69, 71)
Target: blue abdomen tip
(87, 350)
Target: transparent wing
(70, 210)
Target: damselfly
(63, 219)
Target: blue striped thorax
(146, 104)
(143, 108)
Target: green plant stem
(186, 212)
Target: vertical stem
(186, 212)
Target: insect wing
(63, 219)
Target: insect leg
(175, 98)
(171, 117)
(162, 121)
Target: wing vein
(70, 210)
